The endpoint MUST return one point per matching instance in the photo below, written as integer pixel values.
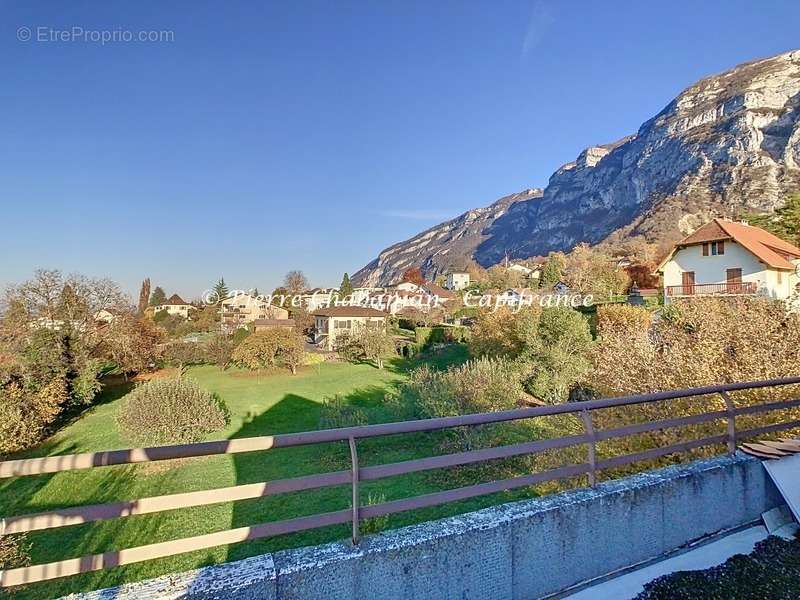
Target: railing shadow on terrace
(714, 289)
(357, 474)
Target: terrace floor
(631, 584)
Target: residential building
(561, 289)
(331, 322)
(106, 315)
(265, 324)
(725, 258)
(456, 281)
(318, 298)
(175, 305)
(529, 273)
(406, 286)
(439, 292)
(242, 309)
(513, 296)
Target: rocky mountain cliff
(727, 143)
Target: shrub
(219, 351)
(241, 334)
(25, 414)
(14, 551)
(480, 385)
(425, 336)
(617, 318)
(182, 354)
(369, 342)
(552, 344)
(264, 348)
(170, 411)
(503, 332)
(700, 342)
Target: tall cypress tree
(144, 295)
(345, 288)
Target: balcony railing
(725, 416)
(713, 289)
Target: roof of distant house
(274, 322)
(348, 311)
(437, 290)
(765, 246)
(176, 300)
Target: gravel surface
(770, 572)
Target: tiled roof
(274, 322)
(175, 300)
(768, 248)
(437, 290)
(348, 311)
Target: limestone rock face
(442, 248)
(727, 143)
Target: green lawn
(259, 405)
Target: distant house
(438, 291)
(725, 258)
(513, 296)
(561, 288)
(318, 298)
(406, 286)
(456, 281)
(265, 324)
(175, 306)
(242, 309)
(106, 315)
(329, 323)
(529, 273)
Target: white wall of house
(326, 329)
(713, 269)
(244, 308)
(456, 281)
(182, 310)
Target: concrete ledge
(520, 550)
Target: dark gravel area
(770, 572)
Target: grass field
(260, 404)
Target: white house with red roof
(725, 258)
(175, 305)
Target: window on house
(780, 277)
(717, 248)
(705, 249)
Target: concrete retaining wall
(520, 550)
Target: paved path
(709, 555)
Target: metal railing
(710, 289)
(357, 474)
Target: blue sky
(272, 136)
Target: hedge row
(441, 334)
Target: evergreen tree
(552, 272)
(158, 297)
(220, 290)
(784, 222)
(345, 288)
(144, 295)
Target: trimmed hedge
(441, 334)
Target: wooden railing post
(356, 496)
(731, 419)
(586, 417)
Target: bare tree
(295, 282)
